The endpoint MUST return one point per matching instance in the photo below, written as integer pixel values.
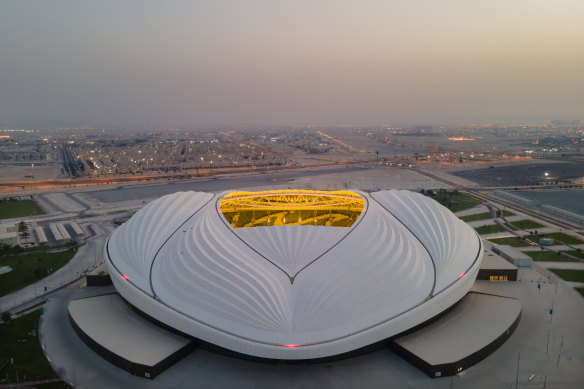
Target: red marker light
(460, 276)
(125, 277)
(290, 345)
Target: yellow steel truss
(291, 207)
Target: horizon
(265, 63)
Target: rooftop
(291, 207)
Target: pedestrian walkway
(29, 383)
(86, 258)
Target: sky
(267, 63)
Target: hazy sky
(276, 62)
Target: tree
(23, 229)
(6, 316)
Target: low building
(512, 255)
(66, 237)
(76, 228)
(546, 241)
(495, 268)
(56, 233)
(41, 237)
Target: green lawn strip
(462, 201)
(27, 269)
(513, 242)
(547, 256)
(559, 238)
(490, 229)
(581, 290)
(37, 305)
(524, 224)
(54, 385)
(20, 250)
(42, 248)
(476, 216)
(576, 253)
(12, 209)
(25, 348)
(453, 200)
(569, 275)
(564, 238)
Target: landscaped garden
(547, 256)
(453, 200)
(523, 225)
(569, 274)
(19, 208)
(514, 241)
(29, 268)
(489, 229)
(21, 356)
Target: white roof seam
(417, 238)
(167, 239)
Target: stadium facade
(293, 274)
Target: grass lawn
(27, 269)
(13, 208)
(581, 290)
(559, 237)
(575, 253)
(524, 224)
(25, 348)
(547, 256)
(570, 275)
(476, 216)
(490, 229)
(567, 239)
(31, 307)
(41, 248)
(513, 242)
(463, 201)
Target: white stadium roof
(347, 269)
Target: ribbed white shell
(326, 289)
(138, 240)
(437, 228)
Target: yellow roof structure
(291, 207)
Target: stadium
(293, 274)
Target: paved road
(215, 184)
(30, 384)
(83, 260)
(552, 350)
